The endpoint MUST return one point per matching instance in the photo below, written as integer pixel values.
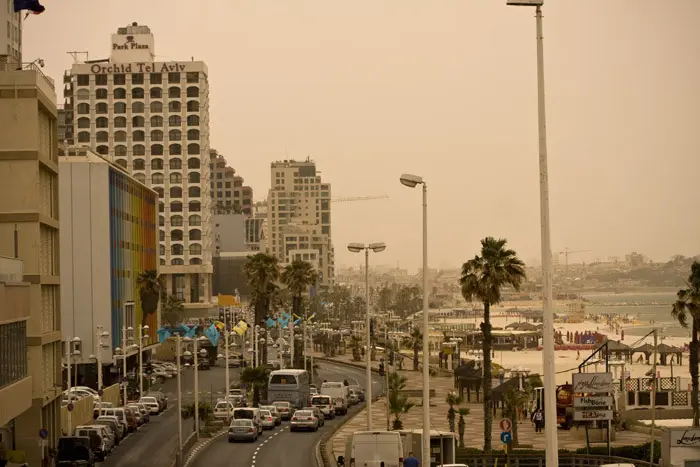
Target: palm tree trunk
(486, 347)
(694, 372)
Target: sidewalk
(474, 432)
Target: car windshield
(265, 413)
(321, 401)
(303, 413)
(243, 413)
(223, 406)
(281, 404)
(241, 422)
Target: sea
(651, 310)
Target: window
(176, 206)
(194, 192)
(141, 178)
(161, 220)
(120, 93)
(83, 80)
(103, 150)
(138, 122)
(193, 77)
(101, 80)
(137, 78)
(195, 220)
(193, 120)
(162, 248)
(193, 177)
(156, 78)
(159, 190)
(174, 120)
(119, 136)
(120, 122)
(138, 107)
(175, 149)
(194, 206)
(83, 108)
(138, 150)
(176, 235)
(156, 135)
(173, 77)
(84, 137)
(137, 93)
(195, 234)
(156, 107)
(156, 93)
(139, 164)
(157, 179)
(119, 108)
(177, 261)
(83, 94)
(176, 221)
(175, 178)
(192, 135)
(195, 260)
(174, 106)
(192, 163)
(195, 249)
(120, 151)
(193, 148)
(193, 106)
(13, 352)
(100, 94)
(84, 122)
(175, 135)
(176, 250)
(102, 137)
(193, 91)
(176, 192)
(121, 163)
(119, 80)
(138, 135)
(156, 149)
(156, 164)
(101, 108)
(161, 236)
(174, 92)
(102, 122)
(175, 164)
(156, 121)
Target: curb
(201, 446)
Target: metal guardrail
(534, 460)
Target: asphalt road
(280, 447)
(155, 443)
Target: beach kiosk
(680, 447)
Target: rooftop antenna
(76, 54)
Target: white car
(151, 403)
(223, 410)
(268, 421)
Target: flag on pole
(32, 6)
(163, 334)
(212, 334)
(297, 321)
(310, 317)
(270, 322)
(189, 332)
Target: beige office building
(30, 334)
(228, 194)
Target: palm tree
(513, 402)
(356, 346)
(452, 399)
(205, 411)
(482, 279)
(415, 341)
(150, 287)
(262, 272)
(463, 412)
(173, 311)
(398, 402)
(298, 277)
(256, 379)
(687, 305)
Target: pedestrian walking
(538, 418)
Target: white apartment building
(152, 118)
(299, 216)
(10, 32)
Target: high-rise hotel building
(10, 33)
(152, 118)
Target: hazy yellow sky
(444, 89)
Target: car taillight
(251, 430)
(269, 419)
(294, 419)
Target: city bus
(289, 385)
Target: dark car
(74, 451)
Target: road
(280, 447)
(154, 444)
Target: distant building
(228, 194)
(229, 233)
(229, 277)
(109, 235)
(10, 34)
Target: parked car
(304, 420)
(113, 425)
(98, 444)
(242, 429)
(162, 398)
(152, 404)
(74, 450)
(141, 413)
(120, 413)
(122, 429)
(131, 419)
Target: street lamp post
(125, 351)
(99, 336)
(142, 337)
(356, 248)
(550, 429)
(412, 181)
(196, 354)
(178, 342)
(71, 349)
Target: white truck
(373, 449)
(338, 392)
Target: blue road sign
(43, 433)
(506, 437)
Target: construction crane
(357, 198)
(566, 254)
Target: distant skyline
(445, 90)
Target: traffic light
(371, 328)
(148, 368)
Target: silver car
(242, 429)
(304, 420)
(275, 413)
(268, 421)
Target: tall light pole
(125, 352)
(71, 349)
(357, 248)
(196, 355)
(143, 330)
(550, 403)
(412, 181)
(178, 342)
(99, 336)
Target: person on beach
(538, 418)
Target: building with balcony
(109, 235)
(228, 194)
(10, 32)
(29, 228)
(152, 119)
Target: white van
(339, 393)
(250, 413)
(373, 449)
(119, 413)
